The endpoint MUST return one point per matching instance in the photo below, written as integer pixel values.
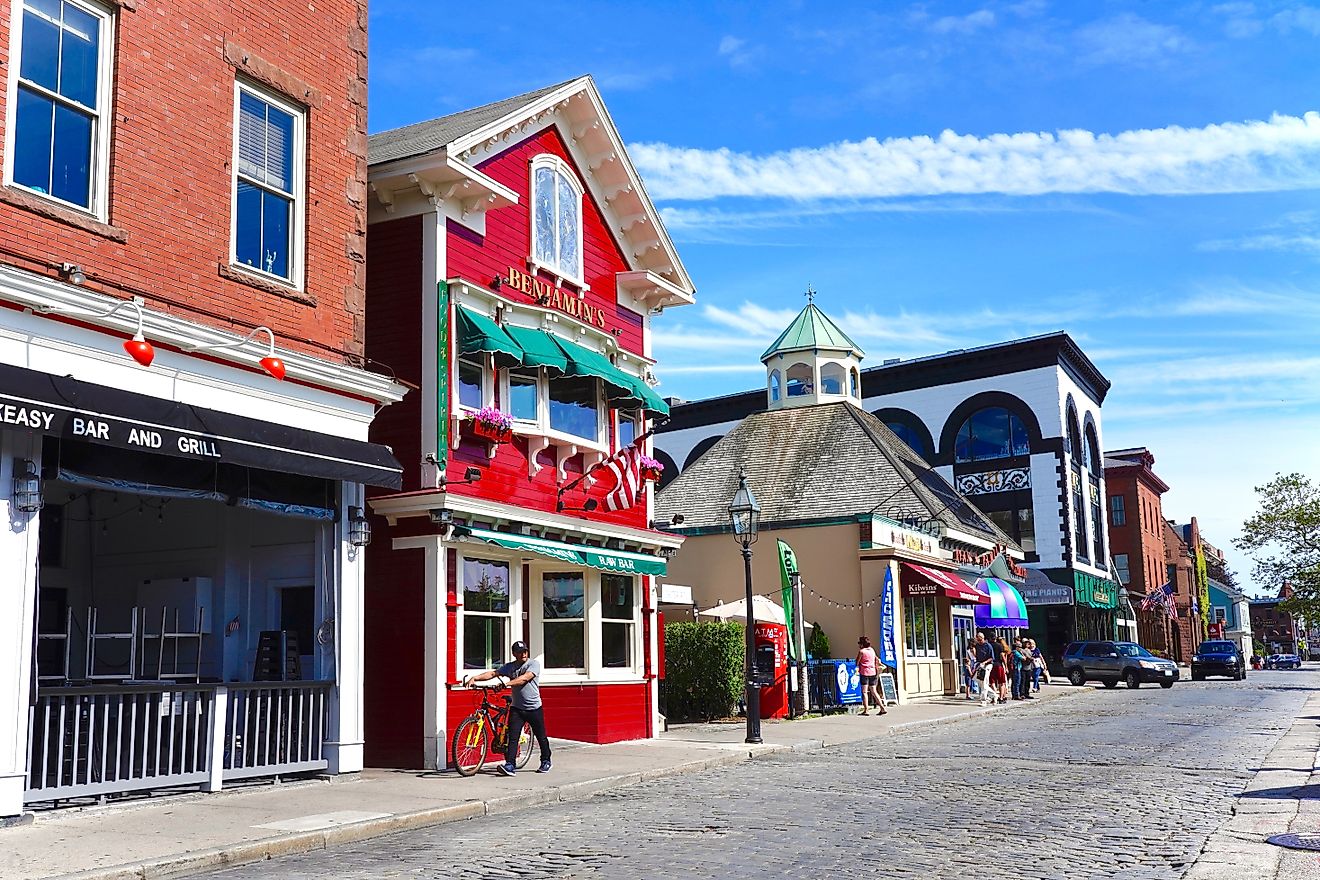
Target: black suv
(1219, 658)
(1112, 662)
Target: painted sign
(888, 689)
(442, 371)
(554, 296)
(1052, 594)
(888, 649)
(986, 559)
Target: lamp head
(744, 512)
(140, 350)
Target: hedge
(703, 669)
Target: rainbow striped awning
(1006, 608)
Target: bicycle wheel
(525, 740)
(469, 745)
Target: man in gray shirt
(523, 674)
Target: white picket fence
(105, 739)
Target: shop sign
(1095, 592)
(986, 559)
(107, 430)
(554, 296)
(920, 589)
(910, 541)
(1045, 595)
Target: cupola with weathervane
(813, 361)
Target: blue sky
(1143, 175)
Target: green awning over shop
(620, 388)
(539, 349)
(478, 334)
(1095, 592)
(620, 561)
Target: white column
(653, 651)
(435, 735)
(346, 734)
(18, 599)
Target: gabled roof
(812, 330)
(829, 461)
(439, 159)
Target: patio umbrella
(764, 609)
(1006, 608)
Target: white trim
(558, 168)
(298, 222)
(103, 115)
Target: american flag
(1161, 596)
(231, 627)
(627, 469)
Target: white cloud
(964, 24)
(1130, 39)
(1307, 244)
(1301, 18)
(738, 51)
(1280, 154)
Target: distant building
(1136, 536)
(1273, 627)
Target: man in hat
(523, 674)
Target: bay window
(617, 621)
(524, 394)
(575, 406)
(486, 617)
(563, 597)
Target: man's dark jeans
(534, 717)
(1024, 681)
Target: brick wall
(168, 233)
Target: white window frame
(911, 647)
(541, 399)
(590, 600)
(1123, 569)
(593, 620)
(101, 117)
(598, 622)
(482, 360)
(298, 233)
(560, 169)
(514, 615)
(621, 416)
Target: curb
(310, 841)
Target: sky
(1143, 175)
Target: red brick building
(515, 266)
(1180, 559)
(184, 407)
(1136, 537)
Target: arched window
(831, 379)
(799, 380)
(774, 386)
(556, 217)
(911, 436)
(1093, 461)
(855, 383)
(1074, 434)
(993, 432)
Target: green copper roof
(810, 330)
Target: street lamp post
(745, 514)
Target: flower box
(651, 474)
(490, 424)
(650, 468)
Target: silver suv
(1112, 662)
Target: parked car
(1112, 662)
(1286, 661)
(1219, 658)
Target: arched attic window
(993, 432)
(775, 389)
(799, 380)
(556, 217)
(831, 379)
(854, 383)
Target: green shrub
(818, 646)
(703, 669)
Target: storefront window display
(921, 628)
(485, 613)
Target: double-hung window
(1117, 512)
(618, 621)
(472, 383)
(628, 430)
(564, 620)
(268, 184)
(59, 127)
(525, 394)
(556, 218)
(575, 406)
(485, 613)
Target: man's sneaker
(544, 768)
(506, 769)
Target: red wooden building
(515, 263)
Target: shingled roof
(829, 461)
(421, 138)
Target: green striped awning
(620, 388)
(539, 349)
(620, 561)
(478, 334)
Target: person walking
(1037, 666)
(868, 670)
(999, 675)
(523, 674)
(969, 670)
(985, 664)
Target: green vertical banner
(788, 569)
(442, 375)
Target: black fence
(822, 687)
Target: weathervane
(810, 294)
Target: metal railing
(107, 739)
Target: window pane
(82, 34)
(32, 138)
(799, 380)
(573, 406)
(616, 597)
(562, 596)
(564, 646)
(247, 239)
(251, 136)
(469, 384)
(485, 586)
(627, 428)
(71, 166)
(543, 218)
(616, 645)
(41, 48)
(276, 220)
(852, 384)
(279, 149)
(522, 394)
(1021, 445)
(962, 447)
(909, 435)
(774, 384)
(990, 434)
(1026, 536)
(485, 639)
(569, 206)
(831, 379)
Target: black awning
(73, 409)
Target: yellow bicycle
(483, 733)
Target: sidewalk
(183, 833)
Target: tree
(1283, 538)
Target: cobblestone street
(1106, 783)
